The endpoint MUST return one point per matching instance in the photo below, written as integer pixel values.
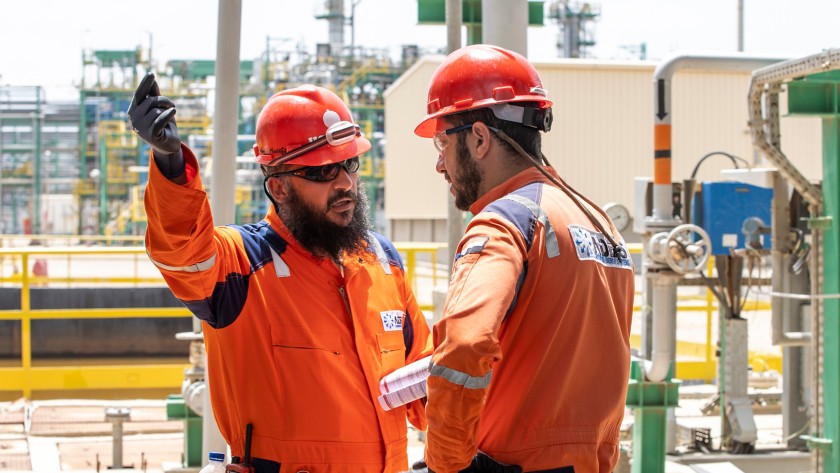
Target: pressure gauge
(619, 215)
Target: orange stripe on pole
(662, 154)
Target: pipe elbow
(656, 370)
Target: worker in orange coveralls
(303, 312)
(532, 354)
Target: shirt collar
(515, 182)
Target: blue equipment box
(722, 207)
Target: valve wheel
(683, 253)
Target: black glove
(482, 463)
(152, 117)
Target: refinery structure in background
(736, 330)
(73, 167)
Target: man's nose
(440, 166)
(344, 180)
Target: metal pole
(740, 26)
(226, 111)
(454, 217)
(223, 183)
(36, 195)
(353, 33)
(116, 416)
(505, 24)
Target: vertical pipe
(117, 450)
(740, 25)
(664, 289)
(226, 111)
(223, 185)
(662, 82)
(36, 194)
(709, 302)
(103, 185)
(335, 17)
(505, 24)
(454, 217)
(116, 416)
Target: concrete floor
(72, 435)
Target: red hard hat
(307, 125)
(478, 76)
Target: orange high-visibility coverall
(296, 345)
(532, 353)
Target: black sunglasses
(324, 173)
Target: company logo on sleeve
(392, 320)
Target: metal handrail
(27, 378)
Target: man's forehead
(442, 124)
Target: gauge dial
(619, 215)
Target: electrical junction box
(721, 208)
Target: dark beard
(317, 234)
(469, 178)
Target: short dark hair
(526, 137)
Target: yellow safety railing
(26, 377)
(411, 250)
(18, 269)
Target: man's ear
(278, 188)
(482, 137)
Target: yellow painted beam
(110, 313)
(92, 377)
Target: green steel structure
(650, 402)
(433, 12)
(21, 120)
(819, 95)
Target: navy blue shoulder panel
(390, 250)
(225, 304)
(408, 334)
(518, 214)
(258, 239)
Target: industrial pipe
(664, 323)
(223, 185)
(662, 81)
(505, 23)
(664, 342)
(117, 416)
(454, 216)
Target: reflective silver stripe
(198, 267)
(380, 253)
(551, 245)
(460, 378)
(511, 113)
(280, 266)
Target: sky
(42, 40)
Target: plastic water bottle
(216, 465)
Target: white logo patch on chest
(392, 320)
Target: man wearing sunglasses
(303, 312)
(532, 354)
